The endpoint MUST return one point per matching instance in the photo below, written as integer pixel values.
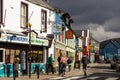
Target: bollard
(37, 70)
(14, 77)
(47, 68)
(29, 67)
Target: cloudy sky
(102, 17)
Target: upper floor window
(43, 21)
(1, 8)
(24, 15)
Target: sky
(102, 17)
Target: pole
(30, 50)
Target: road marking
(71, 78)
(113, 78)
(56, 78)
(92, 78)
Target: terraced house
(32, 30)
(26, 32)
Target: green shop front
(16, 45)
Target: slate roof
(115, 41)
(78, 33)
(41, 3)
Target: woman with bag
(63, 64)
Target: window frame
(44, 14)
(26, 16)
(1, 12)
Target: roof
(41, 3)
(78, 33)
(114, 42)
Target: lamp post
(29, 25)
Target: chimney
(47, 1)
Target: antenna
(30, 16)
(4, 18)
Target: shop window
(7, 56)
(0, 35)
(12, 55)
(17, 52)
(2, 57)
(36, 56)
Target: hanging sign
(57, 28)
(69, 34)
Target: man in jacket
(85, 61)
(59, 64)
(50, 63)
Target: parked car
(118, 66)
(112, 64)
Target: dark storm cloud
(85, 12)
(102, 17)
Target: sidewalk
(50, 75)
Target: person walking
(63, 65)
(85, 61)
(59, 64)
(50, 63)
(16, 66)
(69, 61)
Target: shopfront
(11, 46)
(59, 48)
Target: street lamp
(29, 25)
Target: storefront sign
(39, 41)
(25, 40)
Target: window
(2, 56)
(1, 8)
(24, 15)
(0, 35)
(43, 21)
(36, 56)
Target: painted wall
(12, 20)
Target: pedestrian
(69, 61)
(59, 64)
(85, 61)
(63, 65)
(50, 63)
(16, 65)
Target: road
(99, 72)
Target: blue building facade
(109, 49)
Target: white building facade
(26, 28)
